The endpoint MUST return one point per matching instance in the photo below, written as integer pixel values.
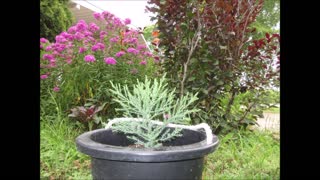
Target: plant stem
(228, 109)
(193, 45)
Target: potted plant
(153, 141)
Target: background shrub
(55, 17)
(209, 47)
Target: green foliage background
(268, 19)
(55, 17)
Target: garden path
(271, 121)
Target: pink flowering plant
(80, 63)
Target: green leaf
(229, 74)
(184, 26)
(162, 2)
(220, 83)
(190, 14)
(215, 62)
(97, 119)
(191, 78)
(217, 96)
(205, 60)
(205, 91)
(88, 104)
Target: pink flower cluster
(43, 40)
(89, 58)
(127, 21)
(56, 89)
(91, 43)
(110, 60)
(133, 51)
(44, 76)
(98, 46)
(120, 53)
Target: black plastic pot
(112, 157)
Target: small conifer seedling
(149, 101)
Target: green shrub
(246, 107)
(274, 96)
(55, 17)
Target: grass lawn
(240, 155)
(244, 155)
(59, 158)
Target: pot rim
(124, 153)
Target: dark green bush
(55, 17)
